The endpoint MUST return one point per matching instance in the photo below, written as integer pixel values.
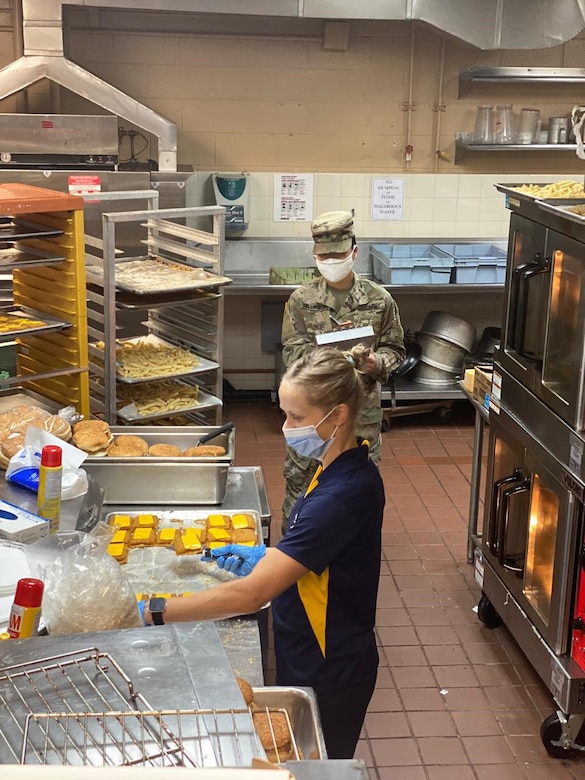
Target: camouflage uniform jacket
(308, 312)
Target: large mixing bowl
(440, 353)
(451, 328)
(425, 374)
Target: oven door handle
(520, 288)
(495, 514)
(507, 494)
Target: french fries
(567, 188)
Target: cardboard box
(482, 384)
(17, 525)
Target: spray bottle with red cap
(26, 608)
(50, 478)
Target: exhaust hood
(486, 24)
(44, 58)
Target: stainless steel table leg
(475, 485)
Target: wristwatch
(157, 606)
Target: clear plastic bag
(85, 588)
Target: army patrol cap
(332, 232)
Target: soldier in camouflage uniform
(354, 302)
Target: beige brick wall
(264, 104)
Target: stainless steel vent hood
(486, 24)
(44, 58)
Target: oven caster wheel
(551, 731)
(487, 614)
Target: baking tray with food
(149, 357)
(571, 209)
(159, 464)
(16, 255)
(159, 398)
(559, 190)
(152, 274)
(14, 229)
(169, 550)
(18, 321)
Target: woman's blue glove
(141, 606)
(238, 559)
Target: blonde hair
(328, 377)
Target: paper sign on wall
(387, 199)
(293, 197)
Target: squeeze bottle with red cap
(26, 608)
(50, 476)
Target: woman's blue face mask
(306, 440)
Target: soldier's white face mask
(333, 269)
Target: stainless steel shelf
(522, 76)
(463, 146)
(412, 391)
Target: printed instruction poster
(387, 199)
(293, 197)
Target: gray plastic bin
(411, 264)
(476, 263)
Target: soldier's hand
(370, 363)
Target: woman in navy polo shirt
(322, 577)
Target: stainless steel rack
(190, 318)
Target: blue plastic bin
(411, 264)
(476, 263)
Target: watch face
(157, 605)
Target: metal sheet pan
(555, 207)
(12, 229)
(510, 190)
(202, 366)
(172, 277)
(15, 255)
(205, 401)
(50, 323)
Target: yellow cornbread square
(189, 541)
(215, 545)
(247, 544)
(118, 551)
(142, 537)
(241, 521)
(218, 535)
(120, 537)
(166, 536)
(145, 521)
(121, 521)
(218, 521)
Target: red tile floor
(454, 700)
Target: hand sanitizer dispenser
(231, 191)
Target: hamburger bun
(92, 436)
(128, 446)
(205, 451)
(164, 451)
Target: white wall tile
(468, 209)
(444, 209)
(422, 209)
(446, 186)
(353, 185)
(469, 186)
(327, 185)
(421, 185)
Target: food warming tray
(173, 481)
(560, 208)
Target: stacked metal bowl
(445, 340)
